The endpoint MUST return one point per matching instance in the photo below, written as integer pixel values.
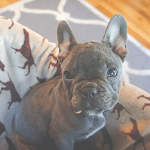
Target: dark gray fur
(72, 107)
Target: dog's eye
(112, 72)
(67, 75)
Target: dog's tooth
(78, 112)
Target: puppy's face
(92, 76)
(92, 71)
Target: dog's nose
(89, 89)
(90, 93)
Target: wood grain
(4, 3)
(136, 13)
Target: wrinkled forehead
(93, 56)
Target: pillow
(128, 124)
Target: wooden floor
(4, 3)
(136, 13)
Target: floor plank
(136, 14)
(4, 3)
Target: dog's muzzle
(90, 98)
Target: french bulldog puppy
(74, 106)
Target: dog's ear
(116, 35)
(66, 40)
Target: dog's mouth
(78, 112)
(90, 111)
(95, 111)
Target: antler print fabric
(25, 57)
